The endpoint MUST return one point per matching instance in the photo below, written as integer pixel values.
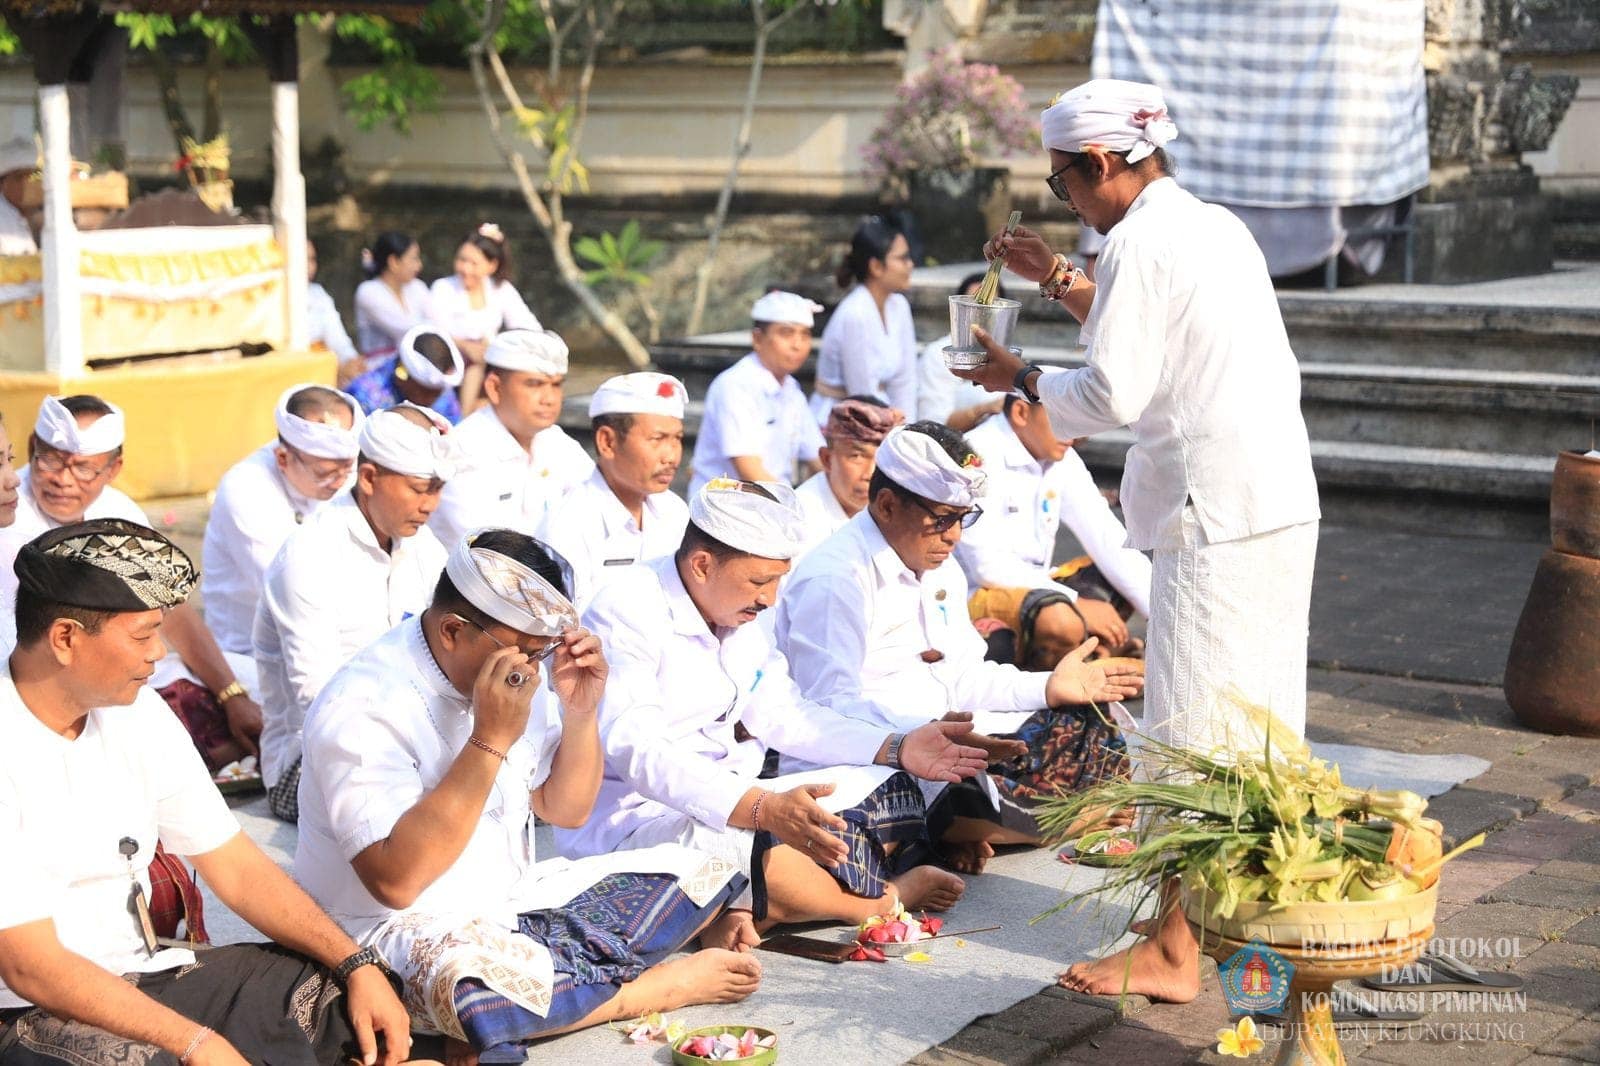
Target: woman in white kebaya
(477, 302)
(390, 303)
(869, 346)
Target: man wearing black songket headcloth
(93, 772)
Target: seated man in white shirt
(874, 623)
(697, 695)
(626, 511)
(831, 497)
(515, 461)
(1037, 484)
(427, 758)
(265, 497)
(757, 425)
(353, 571)
(74, 454)
(94, 773)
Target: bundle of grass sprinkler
(1265, 842)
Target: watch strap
(1020, 382)
(365, 957)
(892, 756)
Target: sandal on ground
(1443, 973)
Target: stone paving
(1387, 604)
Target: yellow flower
(675, 1031)
(919, 956)
(1241, 1041)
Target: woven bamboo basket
(1292, 924)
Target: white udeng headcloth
(787, 307)
(507, 591)
(421, 369)
(58, 427)
(531, 351)
(643, 393)
(759, 517)
(919, 464)
(396, 443)
(1119, 116)
(324, 440)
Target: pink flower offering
(726, 1047)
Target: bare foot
(731, 931)
(968, 858)
(711, 975)
(1142, 970)
(928, 888)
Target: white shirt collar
(885, 560)
(1157, 191)
(687, 620)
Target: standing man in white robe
(874, 623)
(836, 493)
(74, 455)
(625, 512)
(353, 571)
(698, 694)
(1186, 345)
(1037, 485)
(266, 496)
(757, 425)
(426, 759)
(515, 461)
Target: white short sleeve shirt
(500, 484)
(750, 412)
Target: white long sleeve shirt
(254, 512)
(824, 514)
(750, 412)
(864, 352)
(855, 623)
(503, 308)
(939, 392)
(323, 324)
(330, 592)
(1186, 345)
(1024, 502)
(500, 484)
(382, 319)
(688, 713)
(596, 534)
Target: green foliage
(550, 130)
(9, 44)
(621, 259)
(147, 32)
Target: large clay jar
(1575, 505)
(1553, 673)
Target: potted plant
(948, 118)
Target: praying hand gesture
(578, 671)
(1077, 679)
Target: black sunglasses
(943, 522)
(1057, 182)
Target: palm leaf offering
(990, 289)
(1276, 827)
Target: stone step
(1548, 324)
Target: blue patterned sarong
(605, 936)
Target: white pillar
(63, 304)
(289, 205)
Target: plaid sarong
(284, 797)
(605, 936)
(1316, 103)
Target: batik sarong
(272, 1005)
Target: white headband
(738, 515)
(421, 369)
(919, 464)
(58, 427)
(508, 591)
(643, 393)
(324, 440)
(1118, 116)
(396, 443)
(532, 351)
(785, 307)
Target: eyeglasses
(48, 459)
(334, 475)
(943, 522)
(1058, 183)
(542, 655)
